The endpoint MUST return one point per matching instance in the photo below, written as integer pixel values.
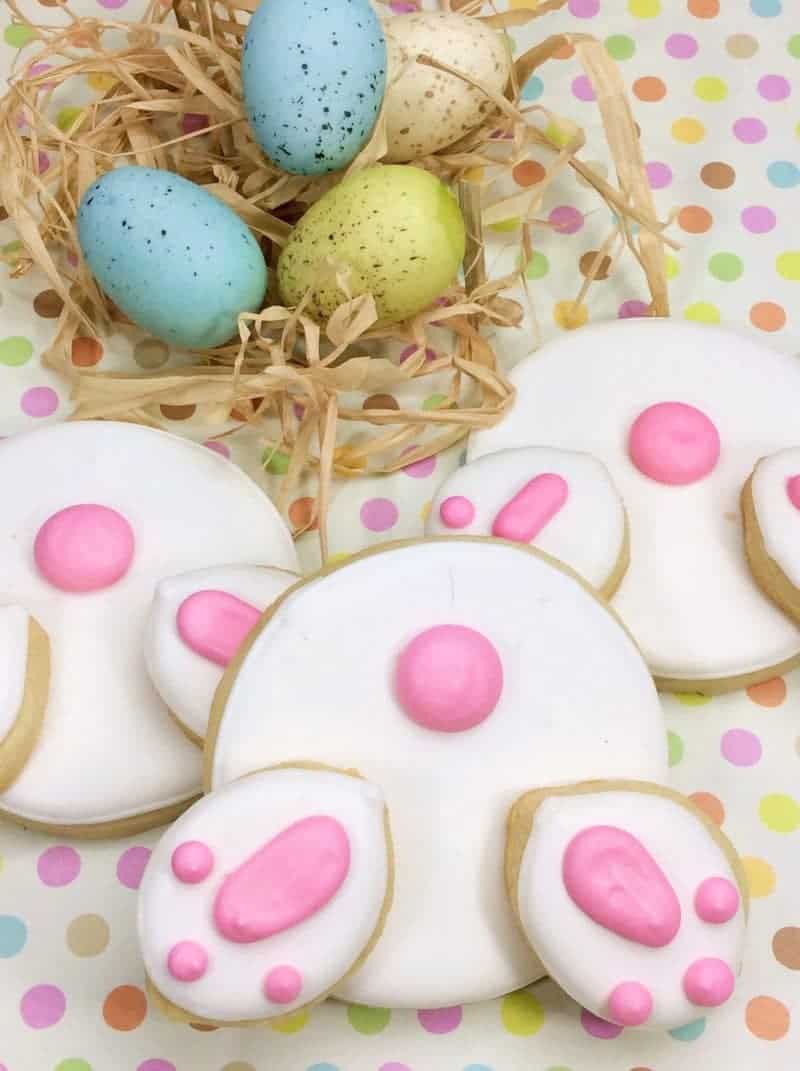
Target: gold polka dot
(587, 263)
(48, 304)
(178, 412)
(150, 353)
(570, 314)
(87, 935)
(786, 947)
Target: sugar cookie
(454, 674)
(634, 901)
(771, 514)
(265, 894)
(95, 515)
(680, 415)
(24, 683)
(197, 623)
(552, 499)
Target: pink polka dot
(629, 309)
(39, 402)
(130, 866)
(674, 444)
(218, 447)
(192, 862)
(565, 219)
(599, 1028)
(112, 5)
(584, 9)
(774, 87)
(42, 162)
(681, 46)
(658, 175)
(187, 961)
(193, 123)
(58, 865)
(403, 7)
(419, 469)
(156, 1065)
(758, 219)
(749, 130)
(409, 351)
(457, 512)
(84, 548)
(283, 984)
(43, 1006)
(740, 747)
(582, 88)
(379, 514)
(440, 1020)
(393, 1065)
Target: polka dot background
(715, 88)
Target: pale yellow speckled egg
(427, 109)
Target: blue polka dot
(783, 174)
(478, 1067)
(766, 9)
(690, 1032)
(533, 88)
(323, 1067)
(13, 935)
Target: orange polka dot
(718, 175)
(203, 1028)
(380, 401)
(48, 304)
(178, 412)
(86, 352)
(710, 805)
(768, 694)
(704, 9)
(768, 316)
(767, 1018)
(528, 173)
(694, 219)
(649, 89)
(300, 514)
(125, 1007)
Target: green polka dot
(559, 1068)
(275, 461)
(368, 1020)
(73, 1064)
(292, 1023)
(788, 265)
(434, 401)
(701, 312)
(17, 34)
(620, 46)
(538, 266)
(692, 699)
(710, 89)
(67, 118)
(779, 812)
(15, 350)
(557, 134)
(672, 266)
(675, 746)
(505, 225)
(522, 1014)
(794, 46)
(12, 247)
(726, 267)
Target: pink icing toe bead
(708, 982)
(192, 862)
(215, 624)
(716, 900)
(793, 490)
(521, 519)
(630, 1004)
(84, 548)
(674, 443)
(457, 512)
(449, 678)
(283, 984)
(187, 961)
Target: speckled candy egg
(172, 257)
(313, 75)
(398, 229)
(427, 109)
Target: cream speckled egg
(427, 109)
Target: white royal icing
(592, 506)
(108, 749)
(778, 517)
(185, 679)
(576, 702)
(14, 642)
(688, 595)
(687, 854)
(234, 823)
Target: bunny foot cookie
(95, 515)
(197, 624)
(265, 895)
(650, 892)
(680, 415)
(771, 513)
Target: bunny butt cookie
(552, 499)
(197, 623)
(24, 682)
(634, 901)
(264, 895)
(771, 514)
(454, 674)
(96, 514)
(679, 415)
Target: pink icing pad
(528, 512)
(449, 678)
(215, 624)
(793, 490)
(187, 961)
(674, 443)
(84, 548)
(457, 512)
(290, 878)
(283, 984)
(716, 900)
(192, 862)
(614, 880)
(630, 1004)
(708, 982)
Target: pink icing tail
(215, 624)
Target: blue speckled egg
(313, 74)
(171, 256)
